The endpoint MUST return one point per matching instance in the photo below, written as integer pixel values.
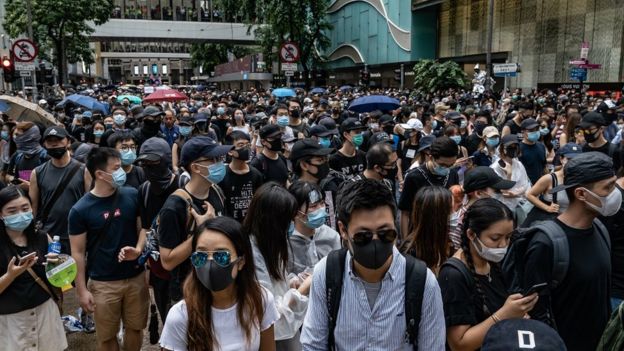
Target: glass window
(136, 70)
(145, 71)
(165, 70)
(154, 68)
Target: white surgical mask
(609, 205)
(489, 253)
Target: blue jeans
(615, 303)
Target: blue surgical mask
(119, 119)
(108, 125)
(4, 135)
(291, 228)
(282, 121)
(216, 172)
(325, 142)
(128, 157)
(544, 131)
(533, 136)
(492, 142)
(316, 218)
(456, 139)
(18, 221)
(119, 177)
(98, 133)
(441, 170)
(434, 124)
(186, 130)
(220, 111)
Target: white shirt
(228, 332)
(519, 175)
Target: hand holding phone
(27, 257)
(537, 288)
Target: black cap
(188, 121)
(570, 150)
(56, 132)
(453, 115)
(529, 123)
(270, 131)
(330, 124)
(153, 149)
(425, 142)
(386, 119)
(320, 131)
(586, 168)
(482, 177)
(520, 335)
(202, 146)
(152, 111)
(350, 124)
(592, 119)
(308, 147)
(510, 139)
(379, 137)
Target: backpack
(613, 335)
(19, 155)
(415, 278)
(513, 265)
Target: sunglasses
(221, 257)
(364, 237)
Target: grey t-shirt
(48, 178)
(372, 291)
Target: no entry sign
(289, 52)
(24, 50)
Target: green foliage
(430, 76)
(60, 25)
(209, 55)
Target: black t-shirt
(89, 215)
(611, 150)
(615, 225)
(301, 128)
(421, 177)
(172, 231)
(272, 170)
(238, 190)
(462, 303)
(580, 304)
(513, 127)
(348, 165)
(534, 160)
(407, 153)
(136, 177)
(24, 292)
(151, 203)
(21, 165)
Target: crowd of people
(251, 222)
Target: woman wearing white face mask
(474, 294)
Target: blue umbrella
(86, 102)
(374, 102)
(346, 87)
(318, 91)
(284, 92)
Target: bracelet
(495, 318)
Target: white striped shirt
(382, 328)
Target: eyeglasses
(364, 237)
(221, 257)
(126, 148)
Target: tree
(301, 21)
(431, 76)
(209, 55)
(58, 25)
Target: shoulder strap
(555, 183)
(334, 272)
(60, 187)
(612, 149)
(461, 267)
(415, 279)
(561, 251)
(43, 285)
(144, 192)
(190, 221)
(220, 193)
(103, 231)
(604, 233)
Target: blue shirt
(358, 327)
(171, 135)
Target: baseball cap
(350, 124)
(151, 111)
(482, 177)
(441, 106)
(379, 137)
(413, 123)
(187, 121)
(425, 142)
(510, 139)
(570, 150)
(308, 147)
(529, 123)
(330, 124)
(386, 119)
(153, 149)
(585, 168)
(56, 132)
(202, 146)
(320, 131)
(87, 114)
(453, 115)
(270, 131)
(490, 131)
(522, 334)
(592, 119)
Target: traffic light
(8, 69)
(397, 75)
(364, 77)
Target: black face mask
(479, 127)
(322, 171)
(57, 152)
(215, 277)
(390, 173)
(276, 145)
(242, 154)
(591, 137)
(388, 129)
(294, 113)
(159, 176)
(511, 152)
(151, 126)
(372, 255)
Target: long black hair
(271, 210)
(33, 240)
(479, 217)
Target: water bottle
(60, 270)
(55, 246)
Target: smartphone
(16, 181)
(27, 257)
(537, 288)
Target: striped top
(359, 327)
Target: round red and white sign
(289, 52)
(24, 50)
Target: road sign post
(289, 57)
(24, 53)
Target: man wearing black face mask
(57, 185)
(152, 118)
(155, 158)
(270, 162)
(593, 125)
(381, 164)
(372, 269)
(241, 180)
(301, 129)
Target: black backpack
(415, 278)
(513, 265)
